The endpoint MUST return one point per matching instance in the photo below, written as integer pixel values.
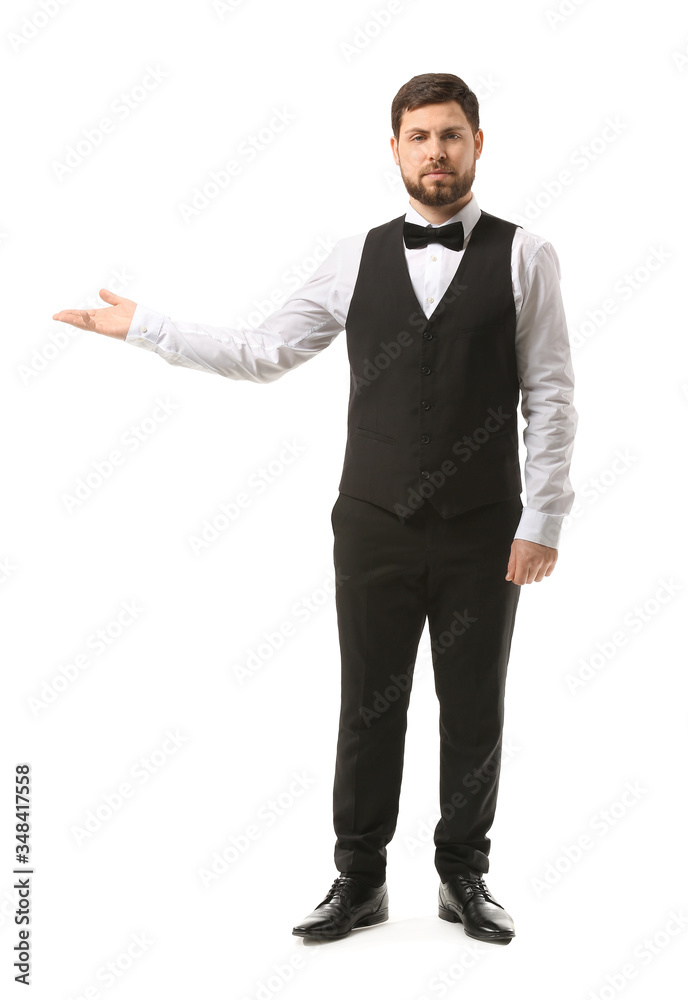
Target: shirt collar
(469, 215)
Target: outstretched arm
(302, 326)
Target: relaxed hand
(530, 562)
(113, 321)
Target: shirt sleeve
(306, 323)
(547, 383)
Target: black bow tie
(450, 236)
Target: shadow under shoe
(349, 903)
(466, 899)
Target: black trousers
(390, 575)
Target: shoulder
(348, 251)
(529, 249)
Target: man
(449, 313)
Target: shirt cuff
(145, 328)
(544, 529)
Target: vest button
(424, 438)
(424, 403)
(427, 335)
(425, 370)
(425, 474)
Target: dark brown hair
(435, 88)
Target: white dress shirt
(313, 315)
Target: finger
(82, 318)
(108, 296)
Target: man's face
(436, 153)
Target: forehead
(434, 116)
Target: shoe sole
(500, 937)
(373, 918)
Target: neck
(437, 214)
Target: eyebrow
(449, 128)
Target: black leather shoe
(349, 903)
(467, 900)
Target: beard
(440, 192)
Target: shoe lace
(341, 887)
(477, 885)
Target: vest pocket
(375, 435)
(483, 328)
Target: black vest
(433, 403)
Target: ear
(479, 143)
(395, 149)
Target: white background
(548, 86)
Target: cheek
(413, 157)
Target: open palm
(112, 321)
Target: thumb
(108, 296)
